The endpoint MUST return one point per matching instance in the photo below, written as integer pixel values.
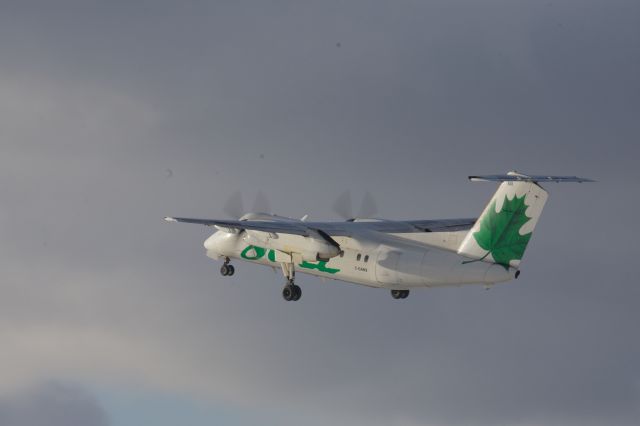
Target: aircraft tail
(503, 230)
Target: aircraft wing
(335, 229)
(254, 225)
(392, 226)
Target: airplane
(398, 255)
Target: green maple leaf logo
(499, 233)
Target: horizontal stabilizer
(518, 177)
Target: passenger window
(358, 257)
(366, 258)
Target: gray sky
(115, 114)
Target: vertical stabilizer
(503, 230)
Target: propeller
(369, 207)
(261, 203)
(234, 206)
(343, 206)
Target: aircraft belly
(445, 268)
(397, 267)
(407, 267)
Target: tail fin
(503, 230)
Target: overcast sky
(116, 114)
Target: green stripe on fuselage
(259, 252)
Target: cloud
(97, 289)
(52, 404)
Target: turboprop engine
(317, 246)
(315, 249)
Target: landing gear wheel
(288, 293)
(297, 292)
(224, 270)
(399, 294)
(291, 292)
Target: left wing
(335, 229)
(254, 225)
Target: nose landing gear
(226, 269)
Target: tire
(297, 292)
(396, 294)
(224, 270)
(230, 270)
(287, 293)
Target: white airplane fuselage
(394, 254)
(400, 261)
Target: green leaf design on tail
(499, 232)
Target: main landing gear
(399, 294)
(226, 269)
(290, 291)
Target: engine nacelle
(221, 244)
(317, 246)
(315, 249)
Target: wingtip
(170, 219)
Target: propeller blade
(369, 207)
(234, 207)
(261, 203)
(342, 206)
